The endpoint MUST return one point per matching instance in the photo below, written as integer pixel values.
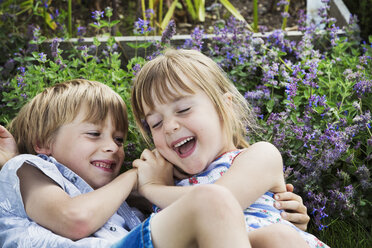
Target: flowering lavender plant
(313, 100)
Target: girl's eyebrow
(174, 100)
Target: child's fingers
(287, 196)
(289, 187)
(294, 206)
(300, 220)
(146, 155)
(3, 132)
(137, 163)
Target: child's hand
(294, 209)
(153, 169)
(8, 146)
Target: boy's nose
(110, 146)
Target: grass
(344, 234)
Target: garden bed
(337, 10)
(312, 96)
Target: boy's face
(93, 151)
(187, 131)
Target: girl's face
(93, 151)
(187, 130)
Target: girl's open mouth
(185, 147)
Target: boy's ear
(42, 149)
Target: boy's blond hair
(161, 77)
(37, 122)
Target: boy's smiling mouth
(184, 147)
(108, 166)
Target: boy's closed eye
(119, 141)
(94, 134)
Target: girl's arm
(256, 170)
(156, 184)
(72, 217)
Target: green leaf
(233, 10)
(201, 11)
(169, 15)
(191, 9)
(114, 23)
(96, 42)
(270, 105)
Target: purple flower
(149, 13)
(363, 87)
(97, 15)
(196, 42)
(283, 2)
(81, 31)
(142, 26)
(136, 68)
(54, 47)
(285, 14)
(22, 70)
(42, 57)
(168, 33)
(369, 141)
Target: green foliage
(157, 11)
(313, 99)
(344, 234)
(78, 62)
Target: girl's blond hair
(160, 79)
(37, 122)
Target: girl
(198, 122)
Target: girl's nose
(171, 125)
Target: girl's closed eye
(157, 124)
(183, 110)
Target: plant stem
(255, 16)
(160, 11)
(286, 8)
(143, 9)
(69, 18)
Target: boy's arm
(294, 209)
(8, 146)
(72, 217)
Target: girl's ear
(227, 97)
(42, 149)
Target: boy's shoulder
(40, 162)
(16, 162)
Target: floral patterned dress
(262, 212)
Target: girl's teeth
(183, 142)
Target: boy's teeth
(103, 165)
(183, 142)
